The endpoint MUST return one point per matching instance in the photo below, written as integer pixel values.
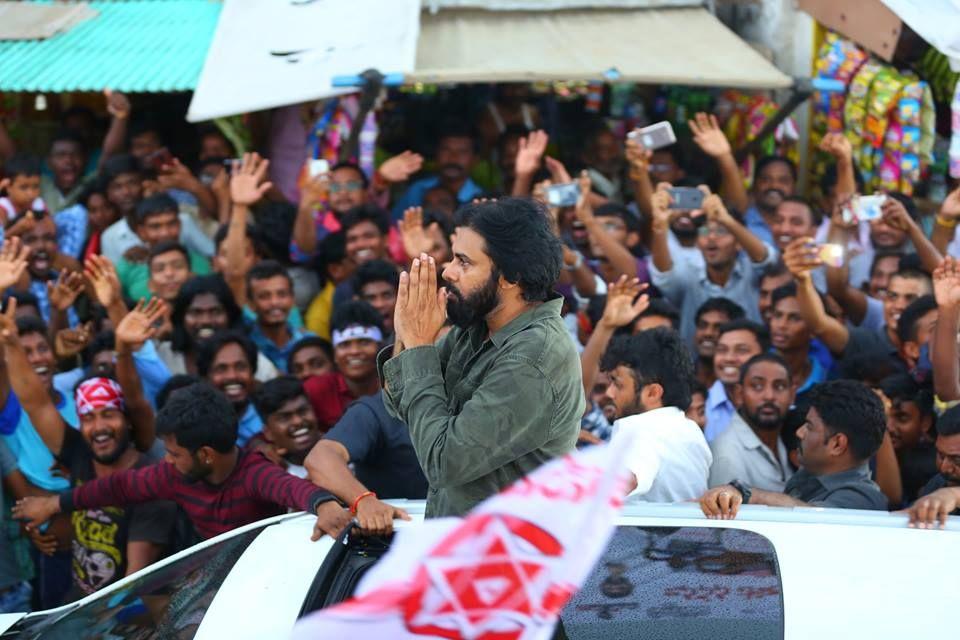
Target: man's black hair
(908, 324)
(273, 394)
(882, 254)
(22, 164)
(853, 409)
(443, 221)
(208, 349)
(901, 387)
(167, 246)
(912, 272)
(174, 383)
(816, 216)
(675, 151)
(829, 179)
(212, 284)
(698, 387)
(366, 213)
(117, 165)
(788, 290)
(614, 210)
(356, 168)
(766, 161)
(330, 251)
(375, 271)
(103, 341)
(156, 204)
(520, 242)
(68, 135)
(311, 341)
(948, 423)
(908, 203)
(869, 368)
(275, 222)
(27, 325)
(205, 130)
(778, 268)
(657, 356)
(251, 232)
(759, 331)
(23, 298)
(97, 186)
(199, 416)
(457, 128)
(765, 357)
(142, 126)
(726, 306)
(658, 308)
(355, 312)
(266, 269)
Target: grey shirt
(850, 489)
(738, 454)
(485, 411)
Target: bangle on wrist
(576, 264)
(356, 503)
(947, 223)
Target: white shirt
(669, 456)
(738, 454)
(118, 238)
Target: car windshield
(169, 602)
(679, 582)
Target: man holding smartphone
(734, 259)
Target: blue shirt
(250, 425)
(71, 230)
(719, 411)
(277, 355)
(26, 445)
(755, 224)
(414, 195)
(818, 374)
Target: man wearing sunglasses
(734, 260)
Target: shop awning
(683, 45)
(665, 42)
(31, 21)
(138, 45)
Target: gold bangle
(946, 222)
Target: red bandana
(98, 393)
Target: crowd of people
(168, 374)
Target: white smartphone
(864, 209)
(319, 167)
(654, 137)
(563, 195)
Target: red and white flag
(504, 572)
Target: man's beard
(765, 422)
(123, 443)
(472, 310)
(198, 471)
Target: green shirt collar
(547, 309)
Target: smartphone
(159, 159)
(563, 195)
(830, 254)
(686, 198)
(654, 137)
(864, 208)
(319, 167)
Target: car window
(169, 602)
(686, 582)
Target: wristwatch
(743, 489)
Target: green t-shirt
(134, 276)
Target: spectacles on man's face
(349, 187)
(719, 232)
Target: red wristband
(365, 494)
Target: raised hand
(837, 145)
(176, 176)
(8, 323)
(660, 207)
(247, 184)
(13, 262)
(950, 208)
(401, 166)
(102, 277)
(946, 283)
(140, 324)
(530, 151)
(709, 136)
(315, 191)
(584, 210)
(70, 342)
(624, 302)
(714, 208)
(801, 257)
(558, 171)
(421, 309)
(639, 159)
(66, 290)
(118, 105)
(896, 215)
(416, 240)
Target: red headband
(98, 393)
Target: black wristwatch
(743, 489)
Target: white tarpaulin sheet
(271, 53)
(936, 21)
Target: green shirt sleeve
(503, 420)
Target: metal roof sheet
(136, 46)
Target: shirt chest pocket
(461, 388)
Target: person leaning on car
(843, 430)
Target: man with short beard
(228, 361)
(270, 294)
(751, 450)
(110, 543)
(289, 424)
(501, 393)
(43, 264)
(774, 178)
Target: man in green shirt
(501, 393)
(158, 220)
